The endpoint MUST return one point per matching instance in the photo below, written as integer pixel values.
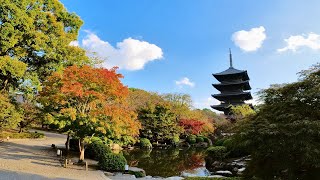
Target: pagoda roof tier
(222, 107)
(231, 73)
(238, 95)
(244, 85)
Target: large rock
(224, 173)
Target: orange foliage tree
(87, 101)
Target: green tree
(241, 111)
(159, 123)
(36, 37)
(9, 115)
(283, 136)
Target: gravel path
(35, 159)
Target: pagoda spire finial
(230, 58)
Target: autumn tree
(140, 99)
(191, 126)
(89, 101)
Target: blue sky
(157, 44)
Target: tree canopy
(89, 101)
(283, 135)
(35, 37)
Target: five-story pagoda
(233, 87)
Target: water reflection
(169, 162)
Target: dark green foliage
(217, 152)
(283, 136)
(112, 162)
(159, 123)
(192, 139)
(219, 142)
(137, 174)
(199, 139)
(97, 148)
(145, 143)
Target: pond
(169, 162)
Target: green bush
(175, 140)
(107, 141)
(137, 174)
(112, 162)
(191, 139)
(219, 142)
(145, 143)
(96, 148)
(199, 139)
(217, 152)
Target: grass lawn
(14, 134)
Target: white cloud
(206, 103)
(130, 54)
(254, 100)
(311, 41)
(74, 43)
(249, 40)
(185, 81)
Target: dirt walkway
(35, 159)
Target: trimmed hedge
(192, 139)
(96, 148)
(199, 139)
(217, 152)
(112, 162)
(145, 143)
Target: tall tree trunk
(68, 145)
(81, 148)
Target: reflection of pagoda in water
(233, 87)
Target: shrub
(145, 143)
(175, 140)
(107, 141)
(199, 139)
(137, 174)
(97, 148)
(112, 162)
(219, 142)
(191, 139)
(217, 152)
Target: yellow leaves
(94, 120)
(69, 112)
(102, 130)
